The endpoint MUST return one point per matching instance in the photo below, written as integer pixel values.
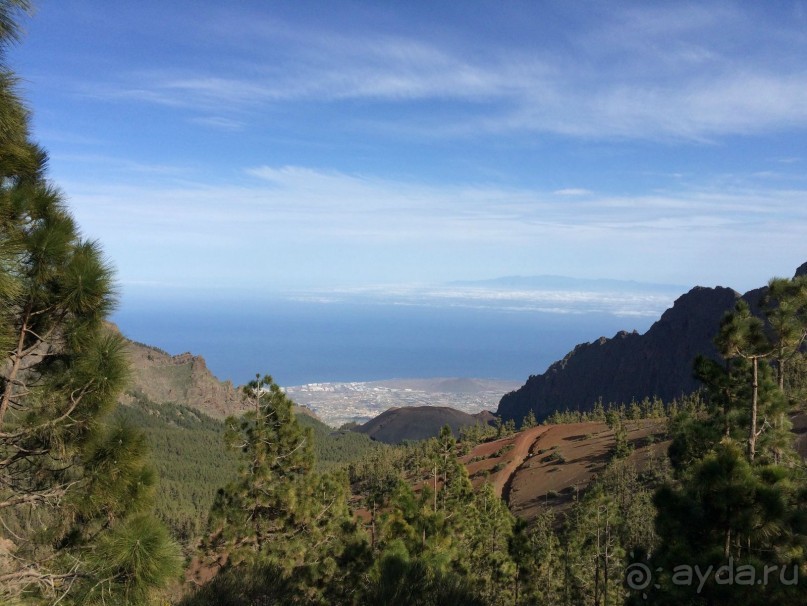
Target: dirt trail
(519, 454)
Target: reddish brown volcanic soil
(547, 466)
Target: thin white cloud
(651, 72)
(294, 192)
(572, 191)
(120, 164)
(284, 225)
(220, 123)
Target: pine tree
(616, 422)
(785, 306)
(486, 552)
(258, 511)
(74, 490)
(598, 412)
(739, 497)
(537, 552)
(278, 512)
(529, 420)
(742, 336)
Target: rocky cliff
(181, 379)
(629, 365)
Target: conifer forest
(109, 497)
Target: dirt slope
(548, 465)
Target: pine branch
(75, 401)
(52, 496)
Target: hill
(398, 425)
(632, 366)
(551, 465)
(180, 405)
(183, 379)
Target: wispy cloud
(338, 227)
(572, 191)
(122, 165)
(651, 72)
(323, 200)
(220, 123)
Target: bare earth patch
(549, 465)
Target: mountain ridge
(181, 379)
(633, 366)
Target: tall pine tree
(74, 491)
(278, 513)
(739, 500)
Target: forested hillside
(188, 451)
(698, 500)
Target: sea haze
(309, 340)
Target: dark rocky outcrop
(632, 366)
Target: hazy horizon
(362, 339)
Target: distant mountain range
(632, 366)
(566, 283)
(542, 293)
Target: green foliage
(191, 460)
(336, 449)
(257, 511)
(134, 557)
(646, 409)
(247, 586)
(739, 494)
(471, 435)
(402, 581)
(616, 422)
(598, 412)
(75, 488)
(529, 420)
(537, 552)
(278, 512)
(504, 429)
(725, 507)
(503, 450)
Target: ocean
(300, 342)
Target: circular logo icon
(638, 576)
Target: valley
(381, 304)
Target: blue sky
(264, 147)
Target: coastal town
(357, 402)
